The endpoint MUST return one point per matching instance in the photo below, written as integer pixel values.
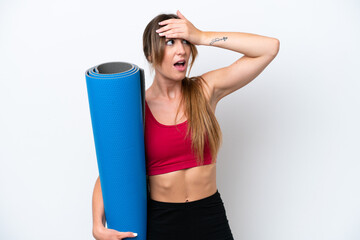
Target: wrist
(204, 38)
(98, 228)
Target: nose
(180, 49)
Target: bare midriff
(184, 185)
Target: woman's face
(176, 57)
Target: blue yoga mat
(116, 94)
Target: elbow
(275, 46)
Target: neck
(167, 89)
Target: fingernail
(159, 23)
(135, 234)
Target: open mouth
(180, 64)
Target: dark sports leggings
(201, 219)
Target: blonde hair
(201, 119)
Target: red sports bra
(166, 150)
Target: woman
(183, 200)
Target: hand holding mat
(116, 94)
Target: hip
(200, 219)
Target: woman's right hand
(103, 233)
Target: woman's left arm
(258, 52)
(251, 45)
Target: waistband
(210, 199)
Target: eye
(186, 42)
(170, 42)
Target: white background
(289, 165)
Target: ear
(149, 58)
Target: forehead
(166, 39)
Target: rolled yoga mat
(116, 94)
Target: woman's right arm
(100, 232)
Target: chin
(180, 75)
(180, 78)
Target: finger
(180, 15)
(171, 32)
(171, 20)
(167, 21)
(168, 27)
(166, 33)
(165, 28)
(174, 35)
(128, 235)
